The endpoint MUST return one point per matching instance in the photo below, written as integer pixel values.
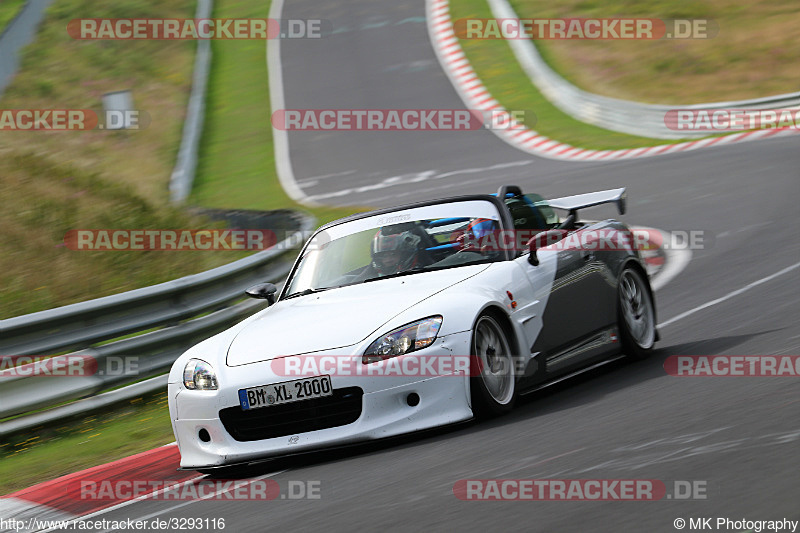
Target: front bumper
(385, 411)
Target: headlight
(199, 375)
(414, 336)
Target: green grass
(48, 452)
(8, 10)
(498, 69)
(37, 271)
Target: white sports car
(413, 317)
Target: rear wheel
(493, 382)
(636, 315)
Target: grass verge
(47, 199)
(754, 54)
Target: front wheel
(493, 382)
(636, 315)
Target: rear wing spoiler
(582, 201)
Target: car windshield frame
(377, 219)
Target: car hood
(336, 318)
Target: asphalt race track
(738, 436)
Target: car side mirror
(541, 240)
(263, 291)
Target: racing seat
(524, 210)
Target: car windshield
(399, 243)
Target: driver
(395, 252)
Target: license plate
(286, 392)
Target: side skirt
(559, 379)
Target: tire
(493, 386)
(637, 323)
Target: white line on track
(412, 178)
(728, 296)
(280, 138)
(311, 182)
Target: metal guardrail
(635, 118)
(19, 33)
(217, 294)
(180, 183)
